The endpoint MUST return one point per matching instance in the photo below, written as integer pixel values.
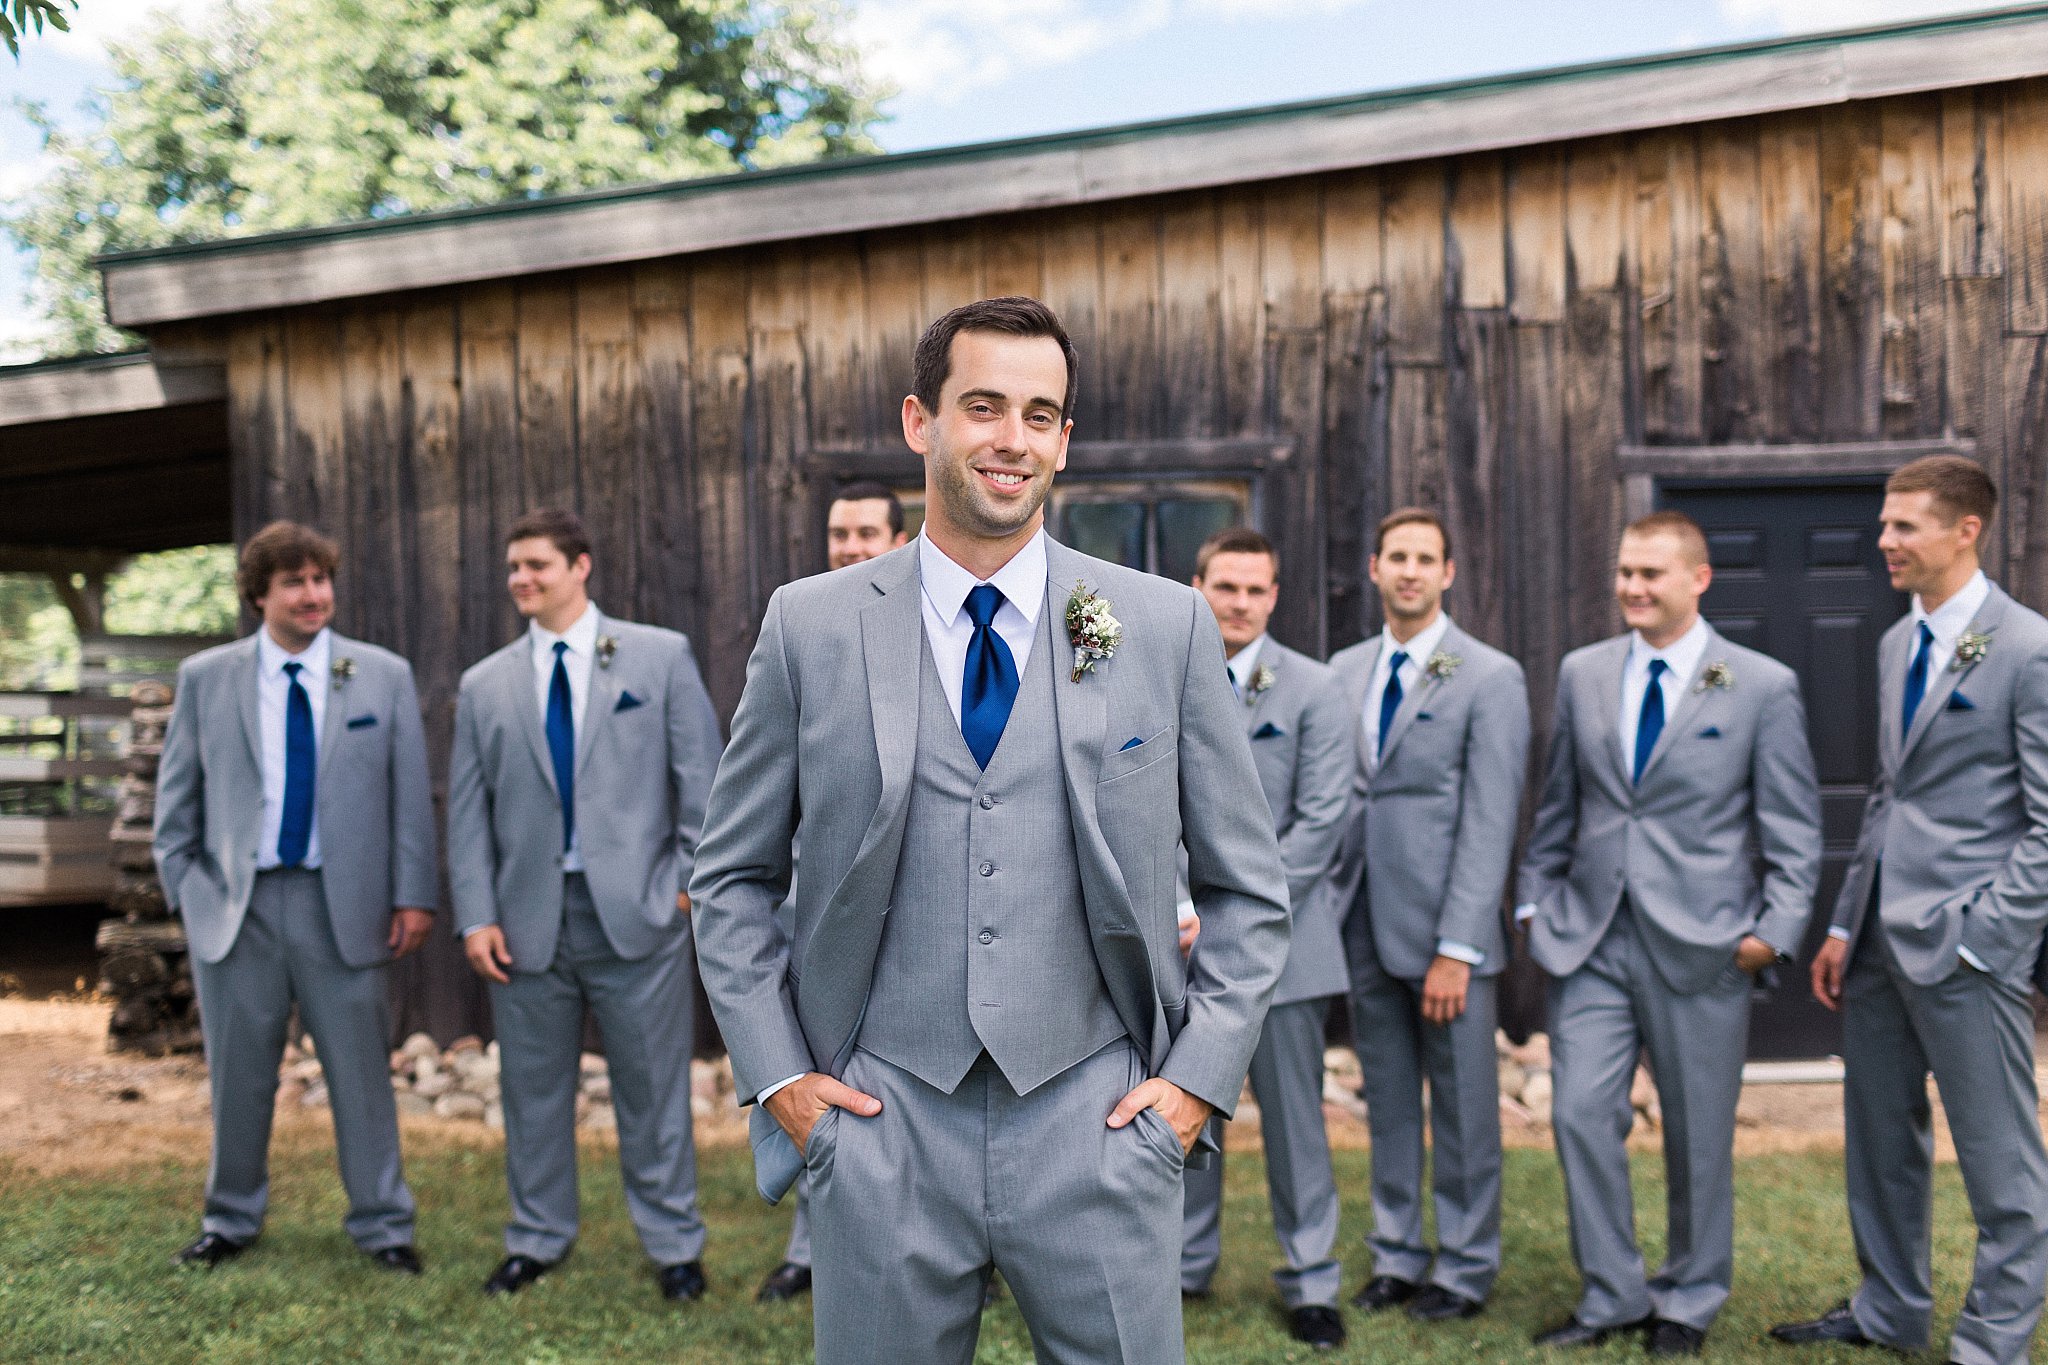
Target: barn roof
(522, 237)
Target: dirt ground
(71, 1106)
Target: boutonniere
(1262, 678)
(343, 669)
(1441, 665)
(607, 646)
(1718, 674)
(1094, 633)
(1971, 647)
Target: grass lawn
(83, 1272)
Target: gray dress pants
(644, 1010)
(285, 955)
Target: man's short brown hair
(279, 548)
(1411, 516)
(1014, 315)
(1238, 540)
(867, 490)
(562, 527)
(1671, 522)
(1960, 486)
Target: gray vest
(986, 945)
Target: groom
(980, 1033)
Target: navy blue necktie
(301, 754)
(562, 742)
(1650, 720)
(988, 688)
(1916, 680)
(1390, 700)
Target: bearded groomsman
(1937, 933)
(1301, 743)
(1678, 766)
(295, 839)
(583, 754)
(1440, 743)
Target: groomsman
(1679, 766)
(1301, 745)
(1937, 933)
(865, 520)
(295, 839)
(583, 754)
(1440, 742)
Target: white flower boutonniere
(344, 668)
(1971, 647)
(1094, 633)
(607, 646)
(1262, 678)
(1716, 675)
(1442, 666)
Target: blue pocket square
(627, 701)
(1958, 702)
(1268, 731)
(1131, 743)
(1425, 715)
(1711, 732)
(361, 722)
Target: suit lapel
(1355, 688)
(515, 680)
(1943, 685)
(335, 716)
(1415, 698)
(600, 697)
(1081, 709)
(1607, 706)
(1689, 701)
(248, 700)
(1891, 695)
(1269, 657)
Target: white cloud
(938, 51)
(97, 23)
(1806, 16)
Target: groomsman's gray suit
(1644, 890)
(264, 941)
(1426, 853)
(610, 937)
(1002, 941)
(1301, 745)
(1954, 856)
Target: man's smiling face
(996, 439)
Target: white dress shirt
(949, 628)
(581, 637)
(1946, 623)
(1243, 664)
(273, 688)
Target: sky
(1013, 68)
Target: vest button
(987, 802)
(987, 936)
(987, 869)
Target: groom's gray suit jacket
(1958, 816)
(637, 822)
(370, 792)
(1730, 784)
(1153, 753)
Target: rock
(1344, 1097)
(600, 1117)
(1642, 1091)
(491, 1050)
(1534, 1054)
(1513, 1078)
(307, 1071)
(424, 1068)
(1536, 1096)
(468, 1042)
(457, 1105)
(418, 1106)
(494, 1117)
(419, 1046)
(594, 1064)
(598, 1088)
(315, 1096)
(434, 1084)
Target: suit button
(987, 869)
(987, 936)
(987, 802)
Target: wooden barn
(1746, 282)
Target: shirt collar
(1681, 656)
(1421, 645)
(1242, 663)
(946, 584)
(1952, 617)
(581, 636)
(271, 657)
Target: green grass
(83, 1272)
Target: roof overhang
(607, 228)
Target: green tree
(294, 113)
(19, 16)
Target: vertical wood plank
(2025, 154)
(835, 344)
(376, 530)
(1478, 500)
(1540, 588)
(432, 473)
(1596, 404)
(1414, 246)
(1191, 318)
(1291, 261)
(1789, 164)
(1129, 339)
(1910, 266)
(895, 319)
(1415, 445)
(489, 460)
(1012, 261)
(952, 267)
(1476, 240)
(2025, 491)
(258, 402)
(1975, 370)
(1667, 234)
(1972, 182)
(1852, 311)
(672, 594)
(1357, 390)
(607, 459)
(719, 391)
(1073, 288)
(1735, 380)
(547, 392)
(1535, 246)
(787, 543)
(1238, 216)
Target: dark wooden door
(1797, 575)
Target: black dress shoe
(1668, 1338)
(683, 1282)
(786, 1281)
(1438, 1304)
(1837, 1325)
(1384, 1291)
(514, 1273)
(404, 1260)
(1572, 1333)
(209, 1250)
(1318, 1325)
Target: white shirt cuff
(474, 927)
(1525, 913)
(1972, 959)
(1837, 931)
(1463, 952)
(1185, 911)
(762, 1098)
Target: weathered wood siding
(1480, 333)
